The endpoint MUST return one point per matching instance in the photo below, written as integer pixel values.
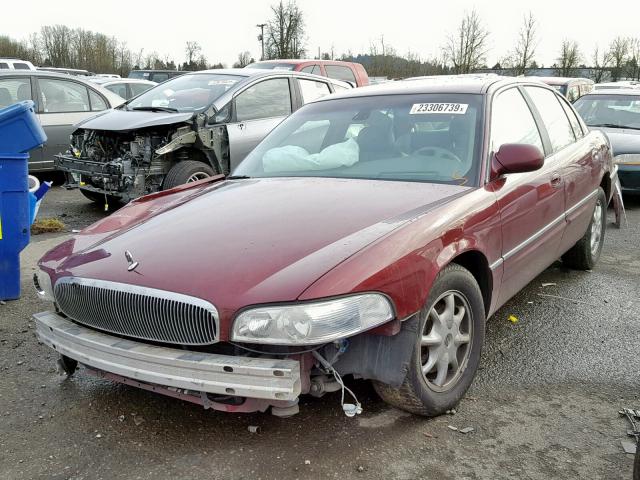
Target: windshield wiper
(156, 109)
(614, 125)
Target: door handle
(556, 180)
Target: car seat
(376, 139)
(24, 92)
(5, 97)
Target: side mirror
(516, 158)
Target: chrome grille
(138, 312)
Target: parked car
(371, 233)
(78, 72)
(617, 113)
(571, 88)
(615, 85)
(157, 76)
(126, 88)
(15, 64)
(61, 101)
(351, 72)
(188, 128)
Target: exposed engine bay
(128, 164)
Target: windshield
(272, 66)
(428, 138)
(187, 93)
(610, 110)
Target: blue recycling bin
(20, 132)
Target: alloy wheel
(596, 228)
(446, 341)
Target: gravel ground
(544, 404)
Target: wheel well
(477, 264)
(606, 185)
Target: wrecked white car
(188, 128)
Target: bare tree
(192, 50)
(618, 50)
(522, 56)
(244, 59)
(569, 58)
(633, 64)
(285, 31)
(466, 49)
(601, 60)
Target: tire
(636, 464)
(186, 171)
(584, 254)
(99, 198)
(423, 394)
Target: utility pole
(261, 37)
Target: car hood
(244, 242)
(124, 120)
(623, 140)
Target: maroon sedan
(370, 234)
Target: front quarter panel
(404, 263)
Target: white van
(15, 64)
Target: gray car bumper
(262, 378)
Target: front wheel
(186, 171)
(585, 253)
(447, 349)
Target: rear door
(256, 111)
(531, 204)
(63, 103)
(581, 173)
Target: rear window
(340, 72)
(138, 74)
(20, 66)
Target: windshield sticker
(448, 108)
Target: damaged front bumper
(273, 381)
(82, 166)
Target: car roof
(562, 80)
(615, 91)
(111, 80)
(297, 61)
(473, 84)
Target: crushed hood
(119, 120)
(245, 242)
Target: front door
(531, 204)
(256, 111)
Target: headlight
(628, 159)
(42, 284)
(312, 323)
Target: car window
(118, 89)
(4, 66)
(512, 121)
(553, 117)
(138, 88)
(63, 96)
(612, 110)
(20, 66)
(269, 98)
(159, 77)
(339, 72)
(418, 138)
(97, 102)
(573, 93)
(312, 90)
(14, 90)
(315, 69)
(573, 119)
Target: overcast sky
(226, 27)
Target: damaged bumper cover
(260, 378)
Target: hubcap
(446, 341)
(197, 176)
(596, 228)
